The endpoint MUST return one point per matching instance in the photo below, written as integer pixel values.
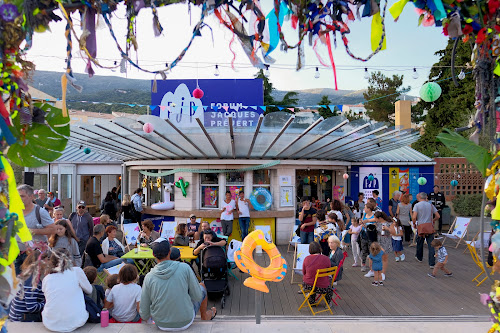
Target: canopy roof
(278, 135)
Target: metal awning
(278, 135)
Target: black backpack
(93, 310)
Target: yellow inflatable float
(276, 270)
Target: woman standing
(384, 235)
(365, 240)
(112, 246)
(108, 206)
(127, 209)
(64, 309)
(404, 213)
(336, 255)
(311, 264)
(148, 235)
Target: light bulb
(316, 75)
(415, 73)
(216, 72)
(266, 72)
(367, 75)
(461, 76)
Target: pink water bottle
(104, 317)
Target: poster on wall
(338, 193)
(286, 196)
(234, 191)
(210, 196)
(370, 178)
(306, 189)
(404, 180)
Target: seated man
(94, 251)
(193, 227)
(209, 239)
(171, 294)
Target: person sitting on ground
(111, 245)
(124, 298)
(64, 309)
(97, 290)
(97, 256)
(171, 294)
(28, 304)
(111, 281)
(65, 238)
(209, 239)
(193, 227)
(148, 235)
(314, 261)
(336, 255)
(181, 238)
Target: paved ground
(339, 325)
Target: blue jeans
(114, 262)
(420, 248)
(244, 224)
(306, 237)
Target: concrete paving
(323, 325)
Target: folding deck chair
(479, 263)
(458, 230)
(476, 240)
(330, 271)
(301, 252)
(294, 239)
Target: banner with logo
(370, 178)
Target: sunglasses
(194, 217)
(81, 207)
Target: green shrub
(467, 204)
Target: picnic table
(145, 255)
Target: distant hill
(113, 89)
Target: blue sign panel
(221, 98)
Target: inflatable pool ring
(261, 199)
(167, 204)
(276, 270)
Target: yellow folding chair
(479, 264)
(331, 272)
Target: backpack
(93, 310)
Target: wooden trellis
(446, 169)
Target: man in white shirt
(136, 200)
(243, 206)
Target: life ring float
(243, 258)
(261, 199)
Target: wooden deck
(408, 291)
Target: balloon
(87, 150)
(422, 181)
(182, 185)
(345, 176)
(430, 91)
(454, 182)
(148, 128)
(306, 180)
(198, 93)
(370, 177)
(329, 177)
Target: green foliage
(381, 95)
(467, 204)
(112, 97)
(325, 112)
(288, 100)
(455, 106)
(41, 143)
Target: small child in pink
(354, 231)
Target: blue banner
(221, 99)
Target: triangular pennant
(262, 107)
(205, 108)
(280, 108)
(195, 108)
(340, 106)
(162, 107)
(323, 106)
(291, 109)
(332, 108)
(131, 105)
(225, 107)
(152, 107)
(215, 108)
(108, 103)
(253, 107)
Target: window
(262, 178)
(235, 182)
(209, 190)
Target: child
(376, 254)
(111, 281)
(356, 210)
(354, 231)
(65, 238)
(333, 219)
(442, 258)
(397, 239)
(97, 290)
(124, 298)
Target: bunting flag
(291, 109)
(280, 108)
(205, 108)
(263, 108)
(225, 107)
(162, 107)
(215, 108)
(195, 108)
(152, 107)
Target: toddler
(111, 281)
(442, 258)
(397, 239)
(354, 231)
(124, 298)
(376, 254)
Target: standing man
(83, 224)
(307, 218)
(393, 203)
(438, 200)
(37, 220)
(136, 200)
(43, 201)
(424, 216)
(227, 216)
(243, 206)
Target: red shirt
(311, 264)
(308, 217)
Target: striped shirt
(32, 301)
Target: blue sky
(408, 46)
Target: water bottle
(104, 317)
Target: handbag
(424, 229)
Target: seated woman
(209, 239)
(125, 297)
(112, 246)
(311, 264)
(181, 238)
(64, 309)
(336, 255)
(148, 235)
(28, 304)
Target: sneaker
(375, 284)
(397, 259)
(369, 274)
(431, 267)
(449, 275)
(380, 283)
(383, 277)
(402, 257)
(431, 275)
(335, 283)
(364, 268)
(418, 259)
(355, 265)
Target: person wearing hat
(193, 227)
(82, 224)
(171, 294)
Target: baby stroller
(214, 271)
